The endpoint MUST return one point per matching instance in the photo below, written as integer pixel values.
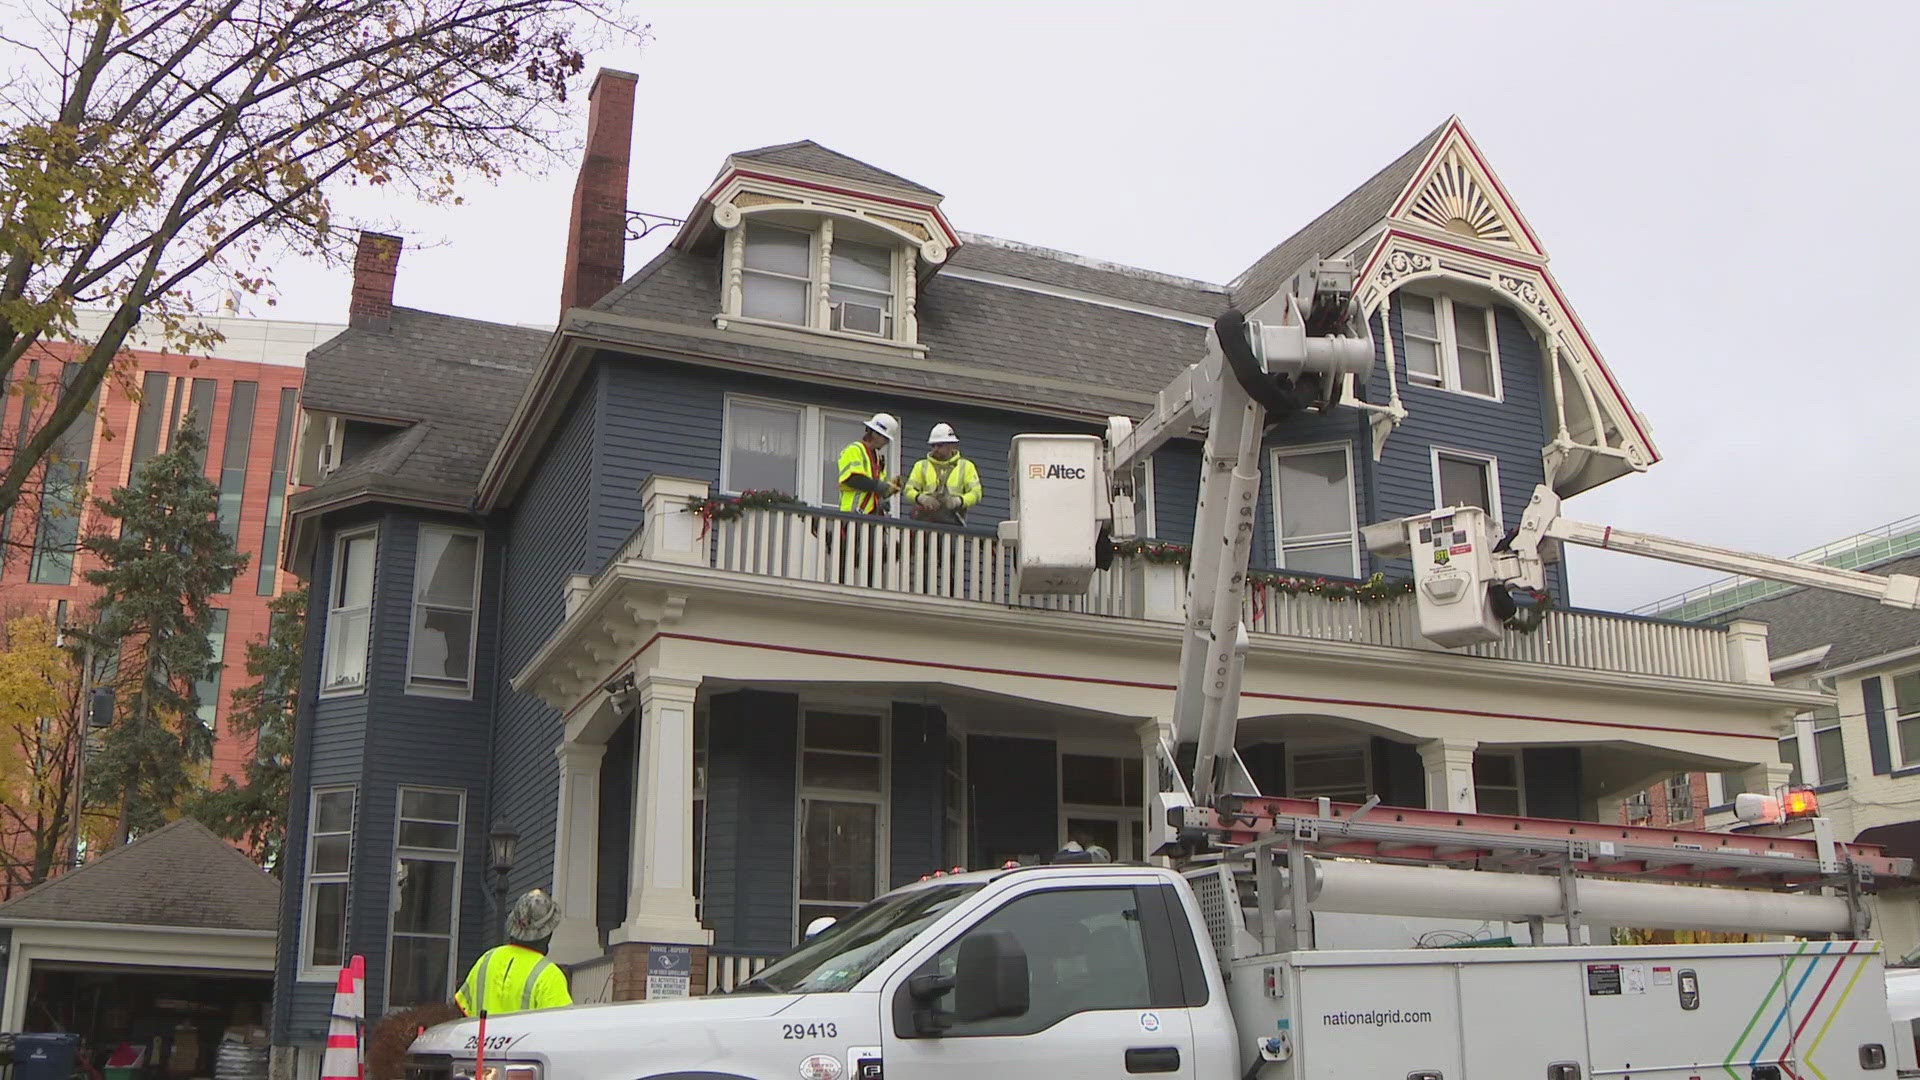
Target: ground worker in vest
(943, 486)
(864, 484)
(517, 976)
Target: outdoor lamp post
(503, 840)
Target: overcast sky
(1725, 190)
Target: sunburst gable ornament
(1455, 200)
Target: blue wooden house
(537, 605)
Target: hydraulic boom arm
(1253, 375)
(1543, 522)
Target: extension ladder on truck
(1380, 860)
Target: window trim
(305, 972)
(1449, 344)
(881, 800)
(455, 856)
(812, 435)
(1492, 463)
(1319, 540)
(819, 284)
(445, 689)
(1890, 707)
(340, 541)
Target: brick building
(246, 391)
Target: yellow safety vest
(954, 476)
(510, 979)
(858, 460)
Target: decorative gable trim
(1454, 192)
(739, 189)
(1597, 436)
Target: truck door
(1108, 993)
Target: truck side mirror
(990, 977)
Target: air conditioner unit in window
(860, 318)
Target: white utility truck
(1283, 943)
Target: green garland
(1375, 590)
(722, 508)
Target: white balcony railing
(800, 543)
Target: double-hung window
(1829, 745)
(323, 942)
(1314, 515)
(780, 280)
(795, 449)
(426, 896)
(1496, 784)
(842, 811)
(1463, 478)
(1790, 757)
(1340, 774)
(1101, 802)
(1679, 798)
(1450, 344)
(349, 613)
(1906, 712)
(776, 280)
(446, 596)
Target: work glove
(895, 484)
(929, 501)
(950, 502)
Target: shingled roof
(1857, 628)
(179, 876)
(985, 341)
(1328, 233)
(812, 157)
(447, 384)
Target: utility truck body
(1093, 971)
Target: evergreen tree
(255, 812)
(158, 576)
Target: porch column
(660, 908)
(1449, 768)
(576, 843)
(1156, 831)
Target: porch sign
(669, 971)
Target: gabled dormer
(813, 242)
(1436, 240)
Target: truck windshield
(845, 952)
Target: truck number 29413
(809, 1031)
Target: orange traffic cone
(342, 1058)
(359, 968)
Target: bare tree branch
(172, 142)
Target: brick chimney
(376, 260)
(597, 233)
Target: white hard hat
(884, 425)
(942, 433)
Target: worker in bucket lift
(518, 976)
(943, 486)
(864, 483)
